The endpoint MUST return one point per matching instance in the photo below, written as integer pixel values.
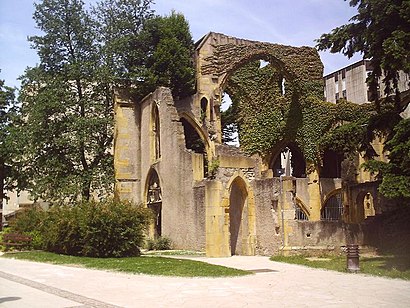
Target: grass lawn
(151, 265)
(387, 266)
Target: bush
(95, 229)
(160, 243)
(29, 221)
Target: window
(204, 108)
(333, 209)
(299, 213)
(156, 133)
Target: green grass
(173, 253)
(386, 266)
(150, 265)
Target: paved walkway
(29, 284)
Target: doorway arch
(241, 217)
(154, 201)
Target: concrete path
(29, 284)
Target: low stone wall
(322, 236)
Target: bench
(16, 240)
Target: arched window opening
(289, 162)
(263, 63)
(300, 214)
(154, 200)
(229, 113)
(282, 86)
(366, 205)
(156, 132)
(195, 143)
(204, 109)
(333, 209)
(332, 165)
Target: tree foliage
(7, 110)
(66, 127)
(396, 172)
(64, 135)
(381, 32)
(145, 50)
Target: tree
(7, 108)
(396, 172)
(170, 61)
(144, 50)
(381, 32)
(65, 132)
(121, 23)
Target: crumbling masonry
(269, 195)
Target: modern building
(350, 83)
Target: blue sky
(289, 22)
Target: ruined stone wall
(268, 219)
(180, 211)
(322, 236)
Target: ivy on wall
(296, 113)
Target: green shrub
(97, 229)
(108, 228)
(28, 219)
(160, 243)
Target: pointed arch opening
(333, 208)
(301, 213)
(156, 133)
(289, 161)
(154, 201)
(196, 144)
(238, 216)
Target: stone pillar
(216, 221)
(287, 210)
(127, 148)
(315, 202)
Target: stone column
(127, 148)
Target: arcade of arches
(267, 196)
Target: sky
(288, 22)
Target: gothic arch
(153, 200)
(298, 163)
(155, 133)
(228, 54)
(239, 199)
(197, 126)
(302, 206)
(332, 206)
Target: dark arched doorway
(289, 162)
(154, 200)
(238, 216)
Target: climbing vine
(275, 108)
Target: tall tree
(144, 50)
(7, 108)
(381, 32)
(65, 134)
(169, 59)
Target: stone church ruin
(276, 191)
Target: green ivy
(267, 117)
